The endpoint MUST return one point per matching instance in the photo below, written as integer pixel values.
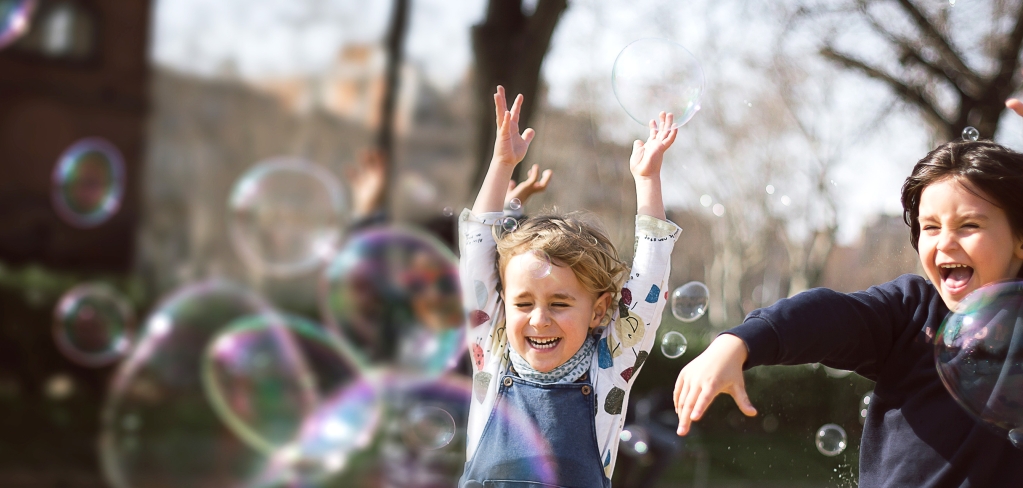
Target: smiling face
(966, 241)
(548, 319)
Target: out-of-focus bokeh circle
(88, 182)
(393, 294)
(93, 325)
(286, 216)
(979, 354)
(635, 441)
(689, 301)
(157, 425)
(428, 427)
(15, 18)
(654, 75)
(831, 440)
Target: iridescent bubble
(635, 441)
(540, 266)
(970, 133)
(864, 405)
(93, 325)
(157, 426)
(393, 293)
(429, 427)
(515, 204)
(509, 224)
(831, 439)
(673, 344)
(15, 18)
(652, 75)
(88, 182)
(689, 301)
(286, 216)
(265, 374)
(448, 212)
(979, 354)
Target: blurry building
(80, 71)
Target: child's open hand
(510, 146)
(718, 370)
(529, 186)
(647, 156)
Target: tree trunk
(395, 43)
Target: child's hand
(1015, 105)
(717, 370)
(529, 187)
(510, 146)
(647, 156)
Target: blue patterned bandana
(572, 370)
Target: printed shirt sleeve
(626, 342)
(485, 336)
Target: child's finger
(702, 402)
(544, 179)
(531, 175)
(527, 135)
(500, 103)
(742, 400)
(516, 107)
(1015, 105)
(680, 384)
(511, 186)
(671, 138)
(685, 416)
(653, 129)
(668, 121)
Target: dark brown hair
(994, 173)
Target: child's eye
(523, 305)
(559, 304)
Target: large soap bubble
(88, 182)
(979, 355)
(157, 426)
(286, 216)
(393, 293)
(653, 75)
(831, 440)
(689, 301)
(15, 17)
(93, 324)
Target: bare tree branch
(939, 41)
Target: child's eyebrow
(563, 296)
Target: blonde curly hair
(570, 240)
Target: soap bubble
(157, 426)
(393, 293)
(864, 404)
(429, 427)
(88, 182)
(93, 325)
(689, 301)
(286, 216)
(971, 134)
(448, 212)
(15, 18)
(264, 374)
(831, 439)
(657, 75)
(635, 441)
(673, 344)
(515, 204)
(509, 224)
(540, 266)
(1016, 437)
(979, 354)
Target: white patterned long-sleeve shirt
(623, 345)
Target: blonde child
(556, 340)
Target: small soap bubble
(541, 267)
(93, 325)
(509, 224)
(515, 204)
(448, 211)
(770, 189)
(718, 209)
(785, 200)
(88, 182)
(635, 441)
(706, 200)
(748, 103)
(15, 17)
(652, 75)
(429, 427)
(952, 3)
(673, 344)
(689, 301)
(831, 439)
(864, 403)
(969, 133)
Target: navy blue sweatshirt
(915, 433)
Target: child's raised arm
(645, 165)
(509, 149)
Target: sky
(261, 38)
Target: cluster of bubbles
(635, 440)
(93, 325)
(15, 16)
(654, 75)
(88, 182)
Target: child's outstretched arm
(509, 149)
(645, 165)
(717, 370)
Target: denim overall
(563, 414)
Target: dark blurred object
(80, 71)
(653, 414)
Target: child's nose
(539, 318)
(947, 240)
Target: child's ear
(600, 308)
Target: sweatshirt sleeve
(852, 331)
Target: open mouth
(543, 342)
(955, 276)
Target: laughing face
(966, 241)
(548, 318)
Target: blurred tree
(394, 43)
(509, 47)
(957, 70)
